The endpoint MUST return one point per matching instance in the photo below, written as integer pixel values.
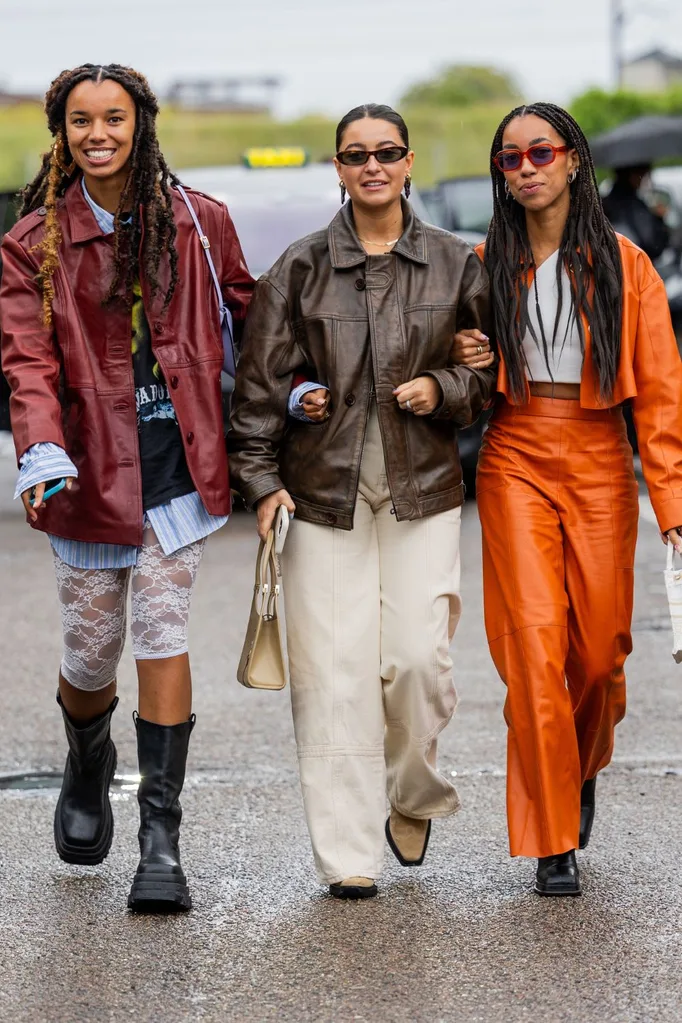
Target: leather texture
(587, 809)
(72, 383)
(558, 503)
(558, 875)
(649, 375)
(361, 325)
(262, 664)
(84, 822)
(160, 883)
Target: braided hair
(589, 251)
(148, 186)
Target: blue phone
(52, 487)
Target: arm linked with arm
(466, 391)
(30, 357)
(269, 359)
(657, 408)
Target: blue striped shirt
(177, 523)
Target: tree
(462, 85)
(597, 111)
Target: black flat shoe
(558, 875)
(353, 891)
(396, 851)
(587, 801)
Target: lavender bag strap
(229, 355)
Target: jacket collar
(83, 226)
(345, 247)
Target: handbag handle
(670, 557)
(226, 326)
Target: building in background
(246, 94)
(656, 71)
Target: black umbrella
(642, 141)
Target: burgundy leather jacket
(72, 382)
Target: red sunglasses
(540, 155)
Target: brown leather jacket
(361, 325)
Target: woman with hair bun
(111, 342)
(369, 306)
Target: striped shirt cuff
(295, 398)
(40, 463)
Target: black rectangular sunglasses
(357, 157)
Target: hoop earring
(343, 191)
(507, 190)
(572, 176)
(408, 185)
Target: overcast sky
(331, 54)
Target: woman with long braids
(369, 306)
(111, 342)
(581, 322)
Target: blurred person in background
(111, 343)
(371, 569)
(581, 322)
(631, 216)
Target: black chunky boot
(587, 805)
(83, 821)
(160, 885)
(558, 875)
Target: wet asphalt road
(460, 939)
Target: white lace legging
(93, 607)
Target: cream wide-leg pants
(370, 614)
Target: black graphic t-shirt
(162, 457)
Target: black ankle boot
(587, 803)
(83, 821)
(558, 875)
(160, 885)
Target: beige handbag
(262, 664)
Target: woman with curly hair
(582, 325)
(112, 345)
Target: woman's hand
(267, 509)
(315, 404)
(32, 510)
(422, 395)
(472, 348)
(673, 536)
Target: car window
(469, 203)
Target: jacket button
(331, 519)
(174, 382)
(190, 437)
(159, 328)
(360, 284)
(350, 400)
(41, 211)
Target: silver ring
(479, 350)
(408, 405)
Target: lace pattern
(93, 608)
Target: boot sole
(159, 895)
(557, 891)
(83, 855)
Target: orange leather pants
(557, 499)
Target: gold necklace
(366, 241)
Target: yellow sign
(275, 156)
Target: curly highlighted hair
(146, 197)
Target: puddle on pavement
(32, 781)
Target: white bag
(673, 585)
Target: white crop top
(566, 360)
